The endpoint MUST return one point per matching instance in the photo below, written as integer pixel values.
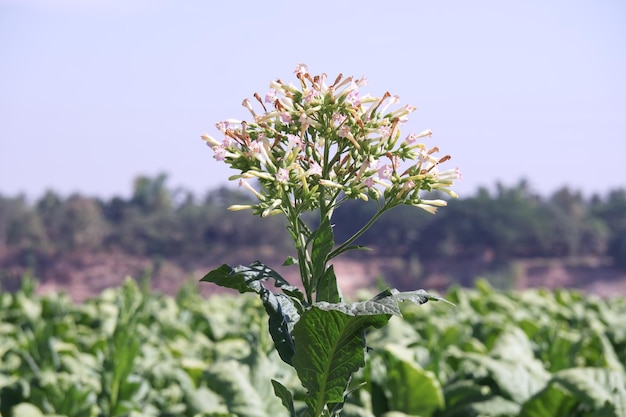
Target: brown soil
(85, 274)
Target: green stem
(304, 263)
(343, 247)
(299, 232)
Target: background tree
(612, 213)
(20, 226)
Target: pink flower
(282, 176)
(220, 153)
(385, 172)
(310, 95)
(338, 118)
(255, 148)
(294, 141)
(285, 117)
(413, 137)
(384, 131)
(369, 182)
(222, 126)
(344, 131)
(372, 163)
(270, 96)
(315, 169)
(424, 157)
(354, 98)
(301, 69)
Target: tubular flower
(316, 143)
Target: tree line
(508, 222)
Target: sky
(94, 93)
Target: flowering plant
(310, 148)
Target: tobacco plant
(306, 149)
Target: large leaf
(553, 400)
(329, 348)
(248, 278)
(282, 310)
(282, 318)
(330, 342)
(512, 366)
(602, 391)
(385, 302)
(492, 406)
(232, 381)
(409, 388)
(234, 278)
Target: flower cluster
(320, 143)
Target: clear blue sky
(94, 92)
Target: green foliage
(531, 353)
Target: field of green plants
(130, 352)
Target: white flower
(210, 141)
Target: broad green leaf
(205, 401)
(602, 391)
(460, 393)
(285, 396)
(417, 297)
(512, 366)
(409, 388)
(554, 400)
(26, 410)
(516, 381)
(241, 278)
(385, 302)
(329, 348)
(282, 318)
(231, 380)
(382, 303)
(611, 359)
(29, 308)
(513, 345)
(248, 279)
(493, 406)
(397, 331)
(327, 289)
(282, 311)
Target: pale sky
(94, 93)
